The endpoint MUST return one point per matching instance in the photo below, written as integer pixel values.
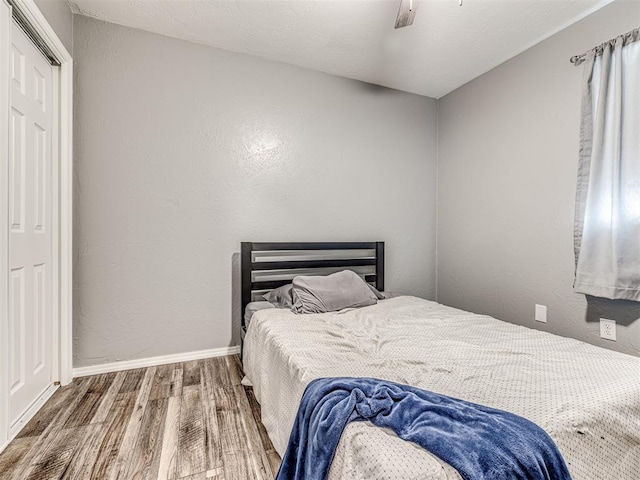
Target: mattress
(254, 307)
(585, 397)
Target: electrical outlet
(608, 329)
(541, 313)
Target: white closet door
(30, 241)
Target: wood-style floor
(191, 420)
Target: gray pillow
(379, 295)
(281, 297)
(319, 294)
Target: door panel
(40, 317)
(16, 170)
(16, 329)
(30, 241)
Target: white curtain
(607, 221)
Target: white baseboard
(152, 361)
(31, 410)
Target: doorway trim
(62, 175)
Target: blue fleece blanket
(478, 441)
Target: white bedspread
(585, 397)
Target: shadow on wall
(376, 89)
(624, 312)
(236, 298)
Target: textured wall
(59, 16)
(508, 151)
(184, 151)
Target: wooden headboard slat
(380, 266)
(271, 284)
(265, 247)
(347, 262)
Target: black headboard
(266, 266)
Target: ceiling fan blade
(406, 13)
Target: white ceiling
(446, 47)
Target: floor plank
(57, 457)
(58, 401)
(175, 388)
(86, 454)
(185, 421)
(256, 414)
(86, 410)
(109, 398)
(145, 459)
(50, 433)
(216, 370)
(121, 463)
(234, 368)
(195, 476)
(239, 459)
(216, 473)
(99, 384)
(84, 414)
(191, 373)
(169, 452)
(213, 447)
(192, 439)
(274, 461)
(108, 450)
(133, 380)
(14, 453)
(224, 398)
(254, 441)
(167, 382)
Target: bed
(585, 397)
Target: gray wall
(183, 151)
(58, 14)
(508, 150)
